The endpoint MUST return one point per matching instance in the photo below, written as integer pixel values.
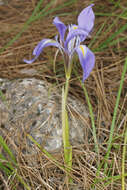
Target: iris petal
(74, 33)
(87, 60)
(60, 27)
(39, 48)
(86, 19)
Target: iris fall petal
(87, 60)
(39, 48)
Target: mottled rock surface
(31, 106)
(3, 2)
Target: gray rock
(30, 106)
(3, 2)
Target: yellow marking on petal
(75, 27)
(49, 41)
(82, 50)
(53, 41)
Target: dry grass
(102, 88)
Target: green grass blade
(114, 22)
(114, 42)
(122, 16)
(92, 118)
(51, 158)
(7, 150)
(45, 11)
(33, 17)
(37, 8)
(111, 38)
(123, 160)
(6, 163)
(109, 179)
(22, 182)
(48, 155)
(115, 113)
(91, 113)
(24, 27)
(2, 96)
(97, 34)
(5, 167)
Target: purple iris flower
(69, 41)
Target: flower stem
(66, 88)
(65, 128)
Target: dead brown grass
(102, 88)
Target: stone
(32, 106)
(3, 2)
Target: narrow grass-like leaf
(48, 155)
(116, 3)
(109, 179)
(34, 17)
(111, 38)
(20, 179)
(4, 163)
(45, 12)
(5, 166)
(123, 159)
(115, 113)
(114, 42)
(24, 27)
(111, 14)
(8, 169)
(2, 96)
(7, 149)
(97, 34)
(110, 141)
(37, 8)
(91, 113)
